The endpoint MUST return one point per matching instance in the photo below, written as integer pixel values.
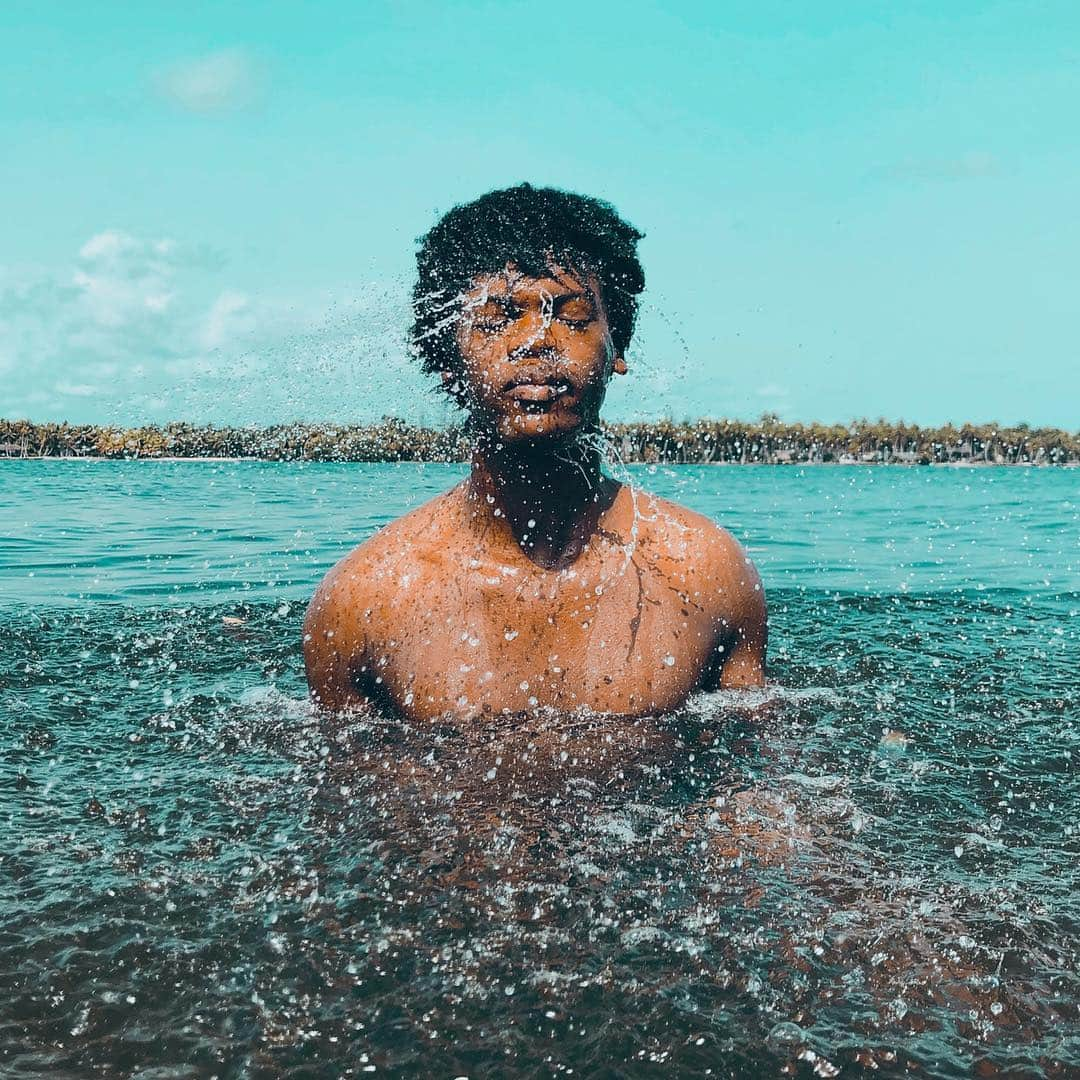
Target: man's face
(536, 354)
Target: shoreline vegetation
(767, 441)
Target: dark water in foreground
(873, 867)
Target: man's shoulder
(707, 566)
(684, 534)
(705, 557)
(380, 563)
(354, 604)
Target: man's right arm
(335, 644)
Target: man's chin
(540, 427)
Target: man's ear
(619, 367)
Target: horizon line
(763, 418)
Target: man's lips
(537, 391)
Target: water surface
(875, 869)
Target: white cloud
(109, 328)
(775, 398)
(217, 82)
(772, 391)
(77, 389)
(158, 301)
(142, 329)
(106, 245)
(121, 279)
(229, 316)
(973, 165)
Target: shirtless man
(538, 581)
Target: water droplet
(785, 1036)
(894, 740)
(669, 660)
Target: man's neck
(547, 502)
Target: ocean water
(871, 867)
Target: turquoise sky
(209, 211)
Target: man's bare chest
(625, 636)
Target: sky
(209, 211)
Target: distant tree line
(765, 441)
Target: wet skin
(537, 582)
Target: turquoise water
(148, 532)
(874, 870)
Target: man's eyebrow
(566, 297)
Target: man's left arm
(745, 665)
(742, 621)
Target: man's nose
(537, 337)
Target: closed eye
(494, 315)
(576, 311)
